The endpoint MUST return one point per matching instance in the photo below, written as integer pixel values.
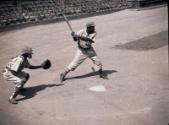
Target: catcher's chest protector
(15, 63)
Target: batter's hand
(73, 34)
(75, 37)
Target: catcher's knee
(24, 80)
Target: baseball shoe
(103, 76)
(13, 101)
(62, 77)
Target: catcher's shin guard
(13, 96)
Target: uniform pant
(81, 55)
(19, 79)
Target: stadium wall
(16, 12)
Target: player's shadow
(107, 72)
(30, 92)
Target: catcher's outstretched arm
(35, 67)
(45, 65)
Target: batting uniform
(82, 54)
(84, 39)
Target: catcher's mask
(90, 27)
(27, 51)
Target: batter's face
(29, 56)
(90, 29)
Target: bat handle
(67, 21)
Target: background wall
(14, 12)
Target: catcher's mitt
(46, 64)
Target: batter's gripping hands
(46, 64)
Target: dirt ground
(133, 47)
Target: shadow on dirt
(30, 92)
(91, 74)
(147, 43)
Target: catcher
(84, 39)
(13, 72)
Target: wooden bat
(62, 12)
(67, 21)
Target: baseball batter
(84, 39)
(13, 72)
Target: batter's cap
(27, 50)
(90, 24)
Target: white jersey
(83, 33)
(17, 63)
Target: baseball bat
(67, 21)
(64, 16)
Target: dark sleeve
(35, 67)
(30, 66)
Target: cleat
(13, 101)
(62, 77)
(103, 76)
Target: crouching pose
(13, 72)
(84, 39)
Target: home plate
(98, 88)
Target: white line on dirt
(98, 88)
